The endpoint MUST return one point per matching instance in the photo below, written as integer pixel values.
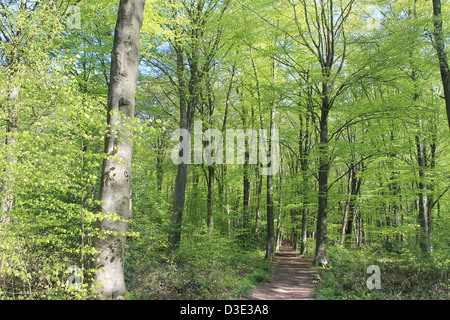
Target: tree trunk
(353, 190)
(181, 178)
(159, 164)
(224, 186)
(189, 95)
(423, 216)
(304, 150)
(432, 166)
(178, 208)
(442, 56)
(246, 191)
(303, 236)
(210, 198)
(258, 203)
(280, 204)
(270, 250)
(115, 188)
(294, 230)
(322, 211)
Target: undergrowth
(405, 275)
(205, 267)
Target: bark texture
(425, 209)
(186, 122)
(115, 189)
(270, 249)
(322, 210)
(442, 56)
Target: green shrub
(401, 276)
(205, 267)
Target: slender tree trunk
(294, 230)
(280, 204)
(261, 120)
(304, 150)
(224, 193)
(303, 236)
(246, 191)
(353, 190)
(431, 200)
(442, 56)
(270, 249)
(228, 213)
(210, 197)
(178, 207)
(211, 167)
(159, 168)
(258, 203)
(423, 216)
(322, 211)
(181, 177)
(224, 166)
(115, 188)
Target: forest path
(293, 278)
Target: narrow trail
(293, 278)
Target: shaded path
(293, 278)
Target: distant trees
(194, 40)
(320, 28)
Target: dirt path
(293, 279)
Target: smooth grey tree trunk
(115, 189)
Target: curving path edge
(293, 278)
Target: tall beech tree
(195, 51)
(324, 36)
(115, 188)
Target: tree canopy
(181, 154)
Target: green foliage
(55, 187)
(387, 102)
(205, 267)
(403, 276)
(52, 166)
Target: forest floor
(293, 280)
